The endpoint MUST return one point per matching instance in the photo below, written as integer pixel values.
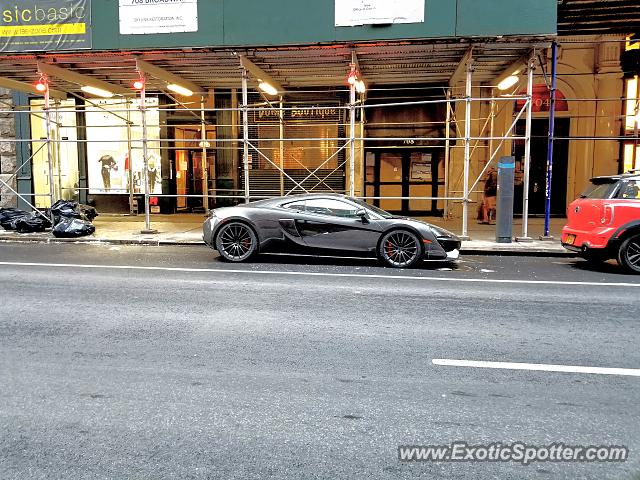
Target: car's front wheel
(236, 242)
(400, 249)
(629, 254)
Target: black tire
(400, 249)
(236, 242)
(629, 254)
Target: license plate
(570, 239)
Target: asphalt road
(164, 362)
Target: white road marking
(540, 367)
(322, 274)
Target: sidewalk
(186, 229)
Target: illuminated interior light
(508, 82)
(267, 88)
(180, 90)
(98, 92)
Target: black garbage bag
(31, 223)
(73, 228)
(66, 209)
(88, 211)
(72, 209)
(8, 216)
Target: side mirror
(362, 213)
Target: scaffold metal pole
(352, 135)
(47, 119)
(467, 151)
(281, 146)
(447, 147)
(205, 162)
(527, 154)
(145, 158)
(552, 118)
(245, 134)
(129, 165)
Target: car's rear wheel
(400, 249)
(236, 242)
(629, 254)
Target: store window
(308, 138)
(64, 152)
(114, 128)
(631, 148)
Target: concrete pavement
(186, 229)
(154, 363)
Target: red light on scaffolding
(41, 85)
(138, 84)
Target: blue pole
(552, 118)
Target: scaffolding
(339, 154)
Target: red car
(604, 222)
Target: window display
(109, 168)
(64, 151)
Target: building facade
(403, 142)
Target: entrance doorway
(538, 168)
(189, 176)
(189, 168)
(403, 173)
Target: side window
(630, 189)
(297, 206)
(332, 207)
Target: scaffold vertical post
(527, 154)
(281, 147)
(145, 161)
(245, 134)
(47, 119)
(129, 169)
(205, 162)
(447, 147)
(467, 152)
(352, 134)
(552, 117)
(57, 138)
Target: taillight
(607, 215)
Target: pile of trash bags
(70, 219)
(23, 222)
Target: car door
(330, 223)
(289, 216)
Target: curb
(465, 250)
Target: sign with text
(541, 100)
(318, 113)
(140, 17)
(43, 25)
(351, 13)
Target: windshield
(376, 210)
(599, 191)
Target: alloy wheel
(236, 242)
(629, 254)
(400, 249)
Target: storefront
(230, 140)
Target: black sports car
(325, 224)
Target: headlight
(441, 232)
(211, 214)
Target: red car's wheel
(629, 254)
